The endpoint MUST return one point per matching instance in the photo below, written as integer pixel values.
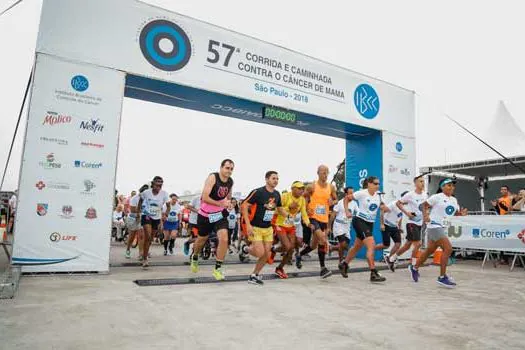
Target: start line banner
(488, 232)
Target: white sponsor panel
(490, 232)
(399, 165)
(67, 177)
(148, 41)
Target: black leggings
(233, 234)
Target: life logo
(450, 210)
(165, 45)
(79, 83)
(399, 147)
(366, 101)
(372, 207)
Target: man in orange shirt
(504, 204)
(319, 197)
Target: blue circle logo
(372, 207)
(450, 210)
(175, 54)
(80, 83)
(399, 147)
(366, 101)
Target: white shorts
(341, 229)
(132, 224)
(299, 231)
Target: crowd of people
(509, 202)
(299, 221)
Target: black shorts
(391, 232)
(146, 220)
(319, 225)
(363, 229)
(343, 239)
(205, 227)
(413, 232)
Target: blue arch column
(364, 157)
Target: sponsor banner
(167, 46)
(399, 165)
(66, 191)
(364, 159)
(488, 232)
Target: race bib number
(297, 220)
(173, 217)
(289, 221)
(268, 215)
(154, 211)
(215, 217)
(320, 210)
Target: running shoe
(298, 262)
(414, 274)
(445, 281)
(280, 272)
(325, 273)
(376, 277)
(128, 254)
(343, 268)
(230, 251)
(141, 258)
(390, 264)
(145, 264)
(257, 280)
(271, 259)
(149, 255)
(218, 274)
(171, 251)
(165, 252)
(194, 265)
(186, 248)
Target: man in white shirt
(341, 219)
(152, 199)
(410, 205)
(118, 221)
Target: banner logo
(79, 83)
(455, 231)
(93, 125)
(165, 45)
(50, 162)
(484, 233)
(41, 209)
(91, 213)
(366, 101)
(399, 147)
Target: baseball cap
(297, 184)
(446, 181)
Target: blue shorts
(171, 225)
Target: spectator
(118, 221)
(127, 202)
(519, 201)
(12, 211)
(504, 204)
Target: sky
(461, 58)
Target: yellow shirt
(287, 199)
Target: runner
(294, 203)
(341, 218)
(233, 224)
(391, 228)
(264, 202)
(369, 203)
(213, 213)
(133, 225)
(194, 207)
(185, 219)
(12, 212)
(171, 215)
(436, 210)
(118, 222)
(319, 197)
(412, 200)
(153, 200)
